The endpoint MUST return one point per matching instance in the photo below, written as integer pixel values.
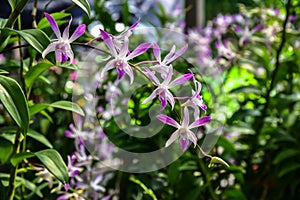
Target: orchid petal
(124, 50)
(129, 72)
(134, 25)
(173, 137)
(178, 53)
(170, 55)
(66, 31)
(64, 58)
(238, 29)
(169, 96)
(51, 47)
(139, 50)
(168, 120)
(184, 143)
(58, 56)
(151, 76)
(71, 55)
(200, 122)
(180, 80)
(53, 25)
(156, 52)
(191, 136)
(169, 76)
(109, 43)
(163, 101)
(107, 67)
(152, 96)
(78, 32)
(186, 117)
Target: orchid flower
(162, 66)
(196, 101)
(121, 56)
(119, 40)
(246, 34)
(162, 90)
(183, 129)
(62, 46)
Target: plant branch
(13, 171)
(277, 65)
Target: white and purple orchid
(162, 89)
(196, 101)
(183, 131)
(163, 65)
(122, 56)
(62, 45)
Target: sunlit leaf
(39, 137)
(84, 5)
(20, 156)
(54, 163)
(14, 101)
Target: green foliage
(54, 163)
(14, 101)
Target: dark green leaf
(35, 38)
(3, 71)
(84, 5)
(6, 148)
(14, 101)
(39, 137)
(54, 163)
(2, 22)
(285, 154)
(68, 105)
(36, 108)
(35, 72)
(20, 156)
(43, 23)
(12, 3)
(290, 167)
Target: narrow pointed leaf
(54, 163)
(68, 105)
(84, 5)
(35, 38)
(6, 148)
(14, 101)
(216, 160)
(20, 156)
(39, 137)
(35, 72)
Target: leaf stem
(277, 65)
(13, 171)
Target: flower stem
(13, 171)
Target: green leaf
(29, 185)
(65, 105)
(12, 3)
(6, 148)
(36, 108)
(54, 164)
(39, 137)
(216, 160)
(35, 38)
(68, 105)
(2, 22)
(3, 71)
(35, 72)
(14, 101)
(285, 154)
(84, 5)
(288, 168)
(20, 156)
(43, 23)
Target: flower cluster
(86, 178)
